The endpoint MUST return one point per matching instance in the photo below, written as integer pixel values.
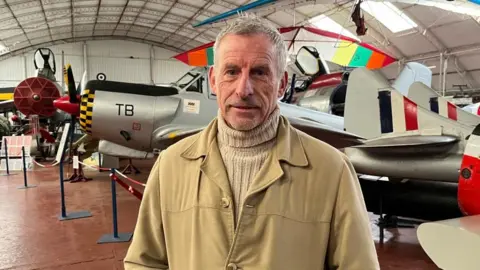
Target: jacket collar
(288, 147)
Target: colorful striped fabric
(335, 48)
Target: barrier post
(74, 215)
(6, 157)
(115, 237)
(25, 185)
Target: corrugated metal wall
(119, 60)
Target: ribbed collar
(241, 139)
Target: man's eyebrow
(261, 66)
(231, 66)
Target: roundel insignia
(101, 76)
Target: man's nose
(244, 86)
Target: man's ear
(283, 85)
(211, 80)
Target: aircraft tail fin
(429, 99)
(411, 73)
(373, 109)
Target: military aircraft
(383, 132)
(134, 120)
(452, 243)
(420, 92)
(32, 98)
(473, 108)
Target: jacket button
(225, 202)
(232, 266)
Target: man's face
(246, 80)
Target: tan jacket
(304, 211)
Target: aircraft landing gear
(78, 175)
(128, 169)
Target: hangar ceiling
(437, 33)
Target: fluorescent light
(327, 24)
(431, 67)
(389, 15)
(461, 7)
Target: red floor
(32, 237)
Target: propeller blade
(82, 84)
(72, 93)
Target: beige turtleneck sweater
(244, 153)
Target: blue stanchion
(25, 185)
(115, 237)
(74, 215)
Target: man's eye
(259, 72)
(231, 72)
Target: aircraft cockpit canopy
(192, 81)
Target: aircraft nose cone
(65, 105)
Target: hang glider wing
(333, 47)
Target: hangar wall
(119, 60)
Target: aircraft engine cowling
(35, 96)
(329, 99)
(317, 103)
(124, 118)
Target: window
(325, 23)
(389, 15)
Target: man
(250, 191)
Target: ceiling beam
(161, 18)
(46, 20)
(96, 16)
(136, 16)
(87, 38)
(120, 17)
(19, 25)
(72, 25)
(195, 14)
(433, 39)
(159, 35)
(467, 49)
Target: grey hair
(250, 24)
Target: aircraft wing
(335, 137)
(170, 134)
(423, 144)
(6, 106)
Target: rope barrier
(127, 187)
(94, 166)
(129, 179)
(47, 165)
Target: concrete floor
(32, 237)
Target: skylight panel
(389, 15)
(3, 49)
(326, 23)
